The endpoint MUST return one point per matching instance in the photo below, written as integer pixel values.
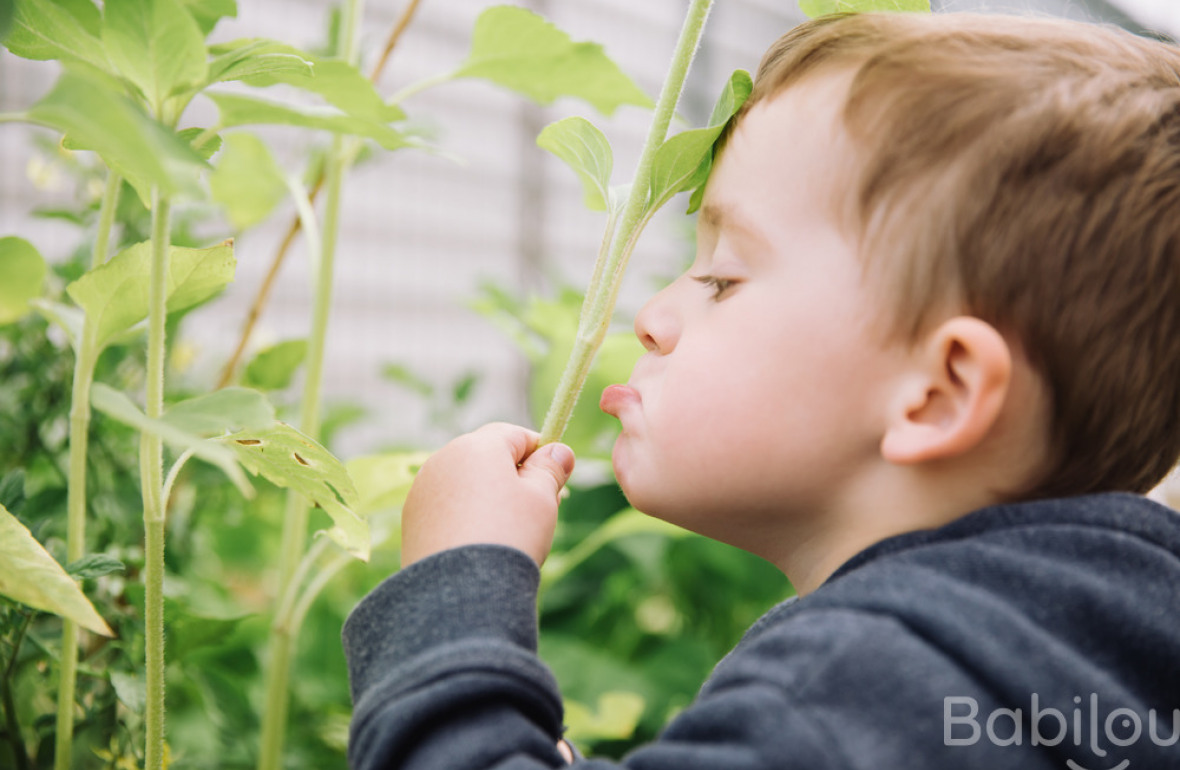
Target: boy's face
(761, 396)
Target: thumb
(550, 465)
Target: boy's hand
(490, 486)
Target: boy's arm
(444, 675)
(451, 609)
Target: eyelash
(719, 285)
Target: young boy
(928, 353)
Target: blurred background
(421, 234)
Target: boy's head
(1028, 171)
(934, 249)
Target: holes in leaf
(300, 460)
(249, 442)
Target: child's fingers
(521, 442)
(550, 467)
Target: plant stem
(84, 361)
(106, 218)
(601, 295)
(421, 85)
(294, 537)
(151, 470)
(10, 720)
(399, 26)
(288, 600)
(260, 299)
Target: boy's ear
(953, 395)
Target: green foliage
(31, 576)
(237, 110)
(683, 162)
(7, 10)
(119, 407)
(114, 296)
(815, 8)
(288, 459)
(586, 150)
(274, 367)
(96, 117)
(208, 12)
(154, 44)
(518, 49)
(23, 271)
(247, 182)
(67, 31)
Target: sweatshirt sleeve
(444, 674)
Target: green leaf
(155, 44)
(130, 689)
(29, 575)
(191, 631)
(12, 489)
(114, 296)
(289, 459)
(208, 148)
(814, 8)
(247, 181)
(118, 406)
(255, 57)
(586, 150)
(274, 367)
(383, 480)
(208, 12)
(222, 411)
(141, 150)
(515, 48)
(407, 378)
(7, 10)
(94, 565)
(337, 82)
(683, 162)
(341, 85)
(45, 29)
(239, 110)
(22, 276)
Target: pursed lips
(617, 399)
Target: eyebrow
(723, 217)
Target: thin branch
(263, 295)
(399, 27)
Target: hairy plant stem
(85, 358)
(264, 289)
(84, 361)
(106, 218)
(600, 299)
(294, 538)
(151, 471)
(11, 724)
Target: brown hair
(1029, 169)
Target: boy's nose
(656, 324)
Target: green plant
(130, 71)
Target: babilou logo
(1098, 731)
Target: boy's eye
(720, 285)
